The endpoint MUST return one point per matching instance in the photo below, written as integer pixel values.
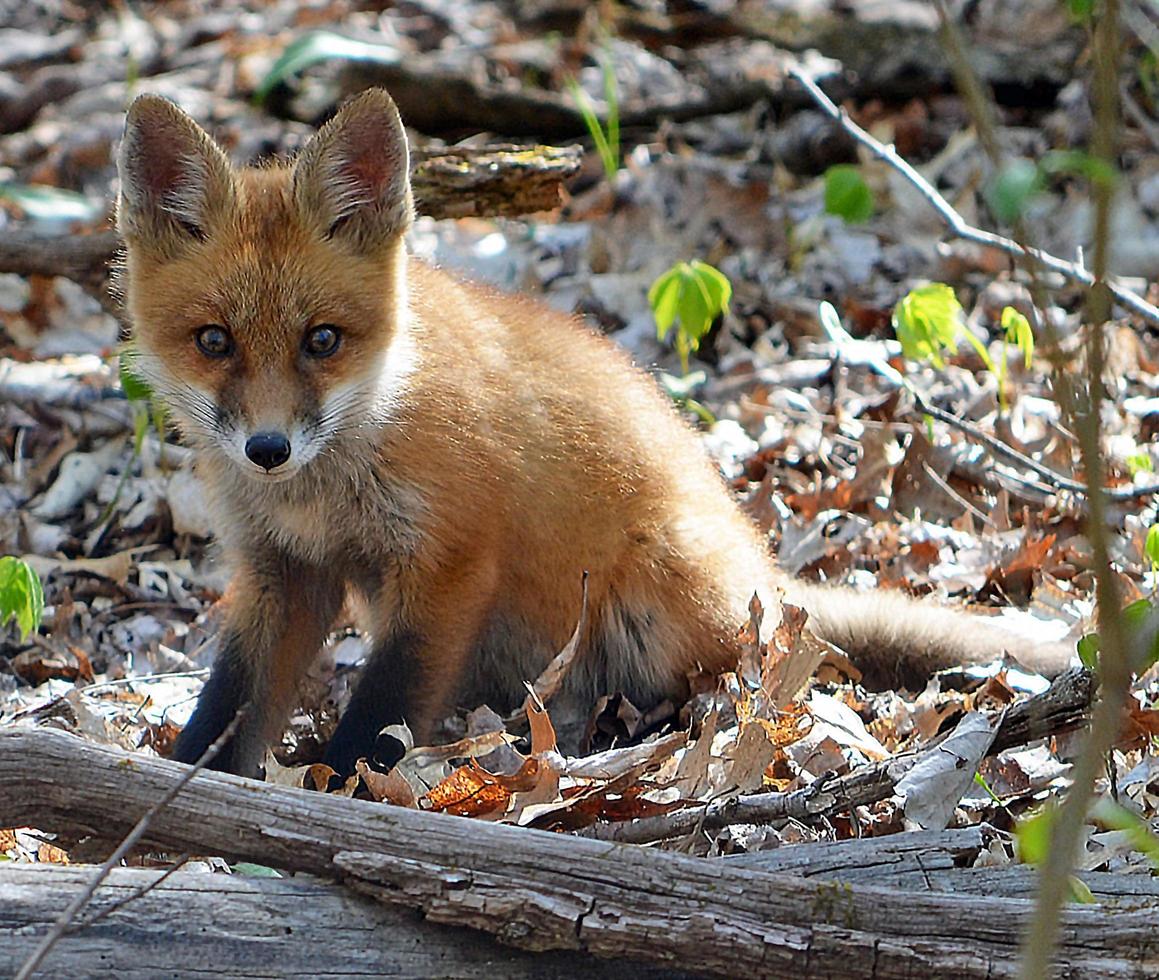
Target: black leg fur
(230, 685)
(383, 697)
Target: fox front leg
(278, 613)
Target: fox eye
(322, 340)
(214, 341)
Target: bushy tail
(899, 641)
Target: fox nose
(267, 449)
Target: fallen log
(228, 925)
(457, 182)
(541, 891)
(936, 861)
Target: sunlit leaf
(319, 46)
(693, 294)
(847, 195)
(1018, 332)
(21, 596)
(1140, 463)
(927, 321)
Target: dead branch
(1063, 707)
(935, 861)
(489, 181)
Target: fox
(450, 458)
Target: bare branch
(955, 222)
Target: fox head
(268, 304)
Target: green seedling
(690, 295)
(21, 595)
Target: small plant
(1016, 330)
(21, 596)
(847, 195)
(1019, 181)
(319, 46)
(606, 139)
(928, 322)
(693, 293)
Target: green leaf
(1079, 163)
(41, 202)
(1012, 188)
(1033, 833)
(716, 286)
(1139, 463)
(1115, 816)
(1078, 891)
(318, 46)
(663, 297)
(928, 320)
(1018, 332)
(847, 195)
(136, 388)
(1088, 651)
(21, 596)
(248, 870)
(693, 293)
(1151, 544)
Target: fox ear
(175, 181)
(352, 180)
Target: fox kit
(452, 457)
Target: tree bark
(227, 925)
(542, 891)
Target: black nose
(268, 449)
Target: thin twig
(956, 223)
(840, 338)
(66, 918)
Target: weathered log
(459, 182)
(542, 891)
(935, 861)
(227, 925)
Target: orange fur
(460, 461)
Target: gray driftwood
(230, 926)
(935, 861)
(544, 891)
